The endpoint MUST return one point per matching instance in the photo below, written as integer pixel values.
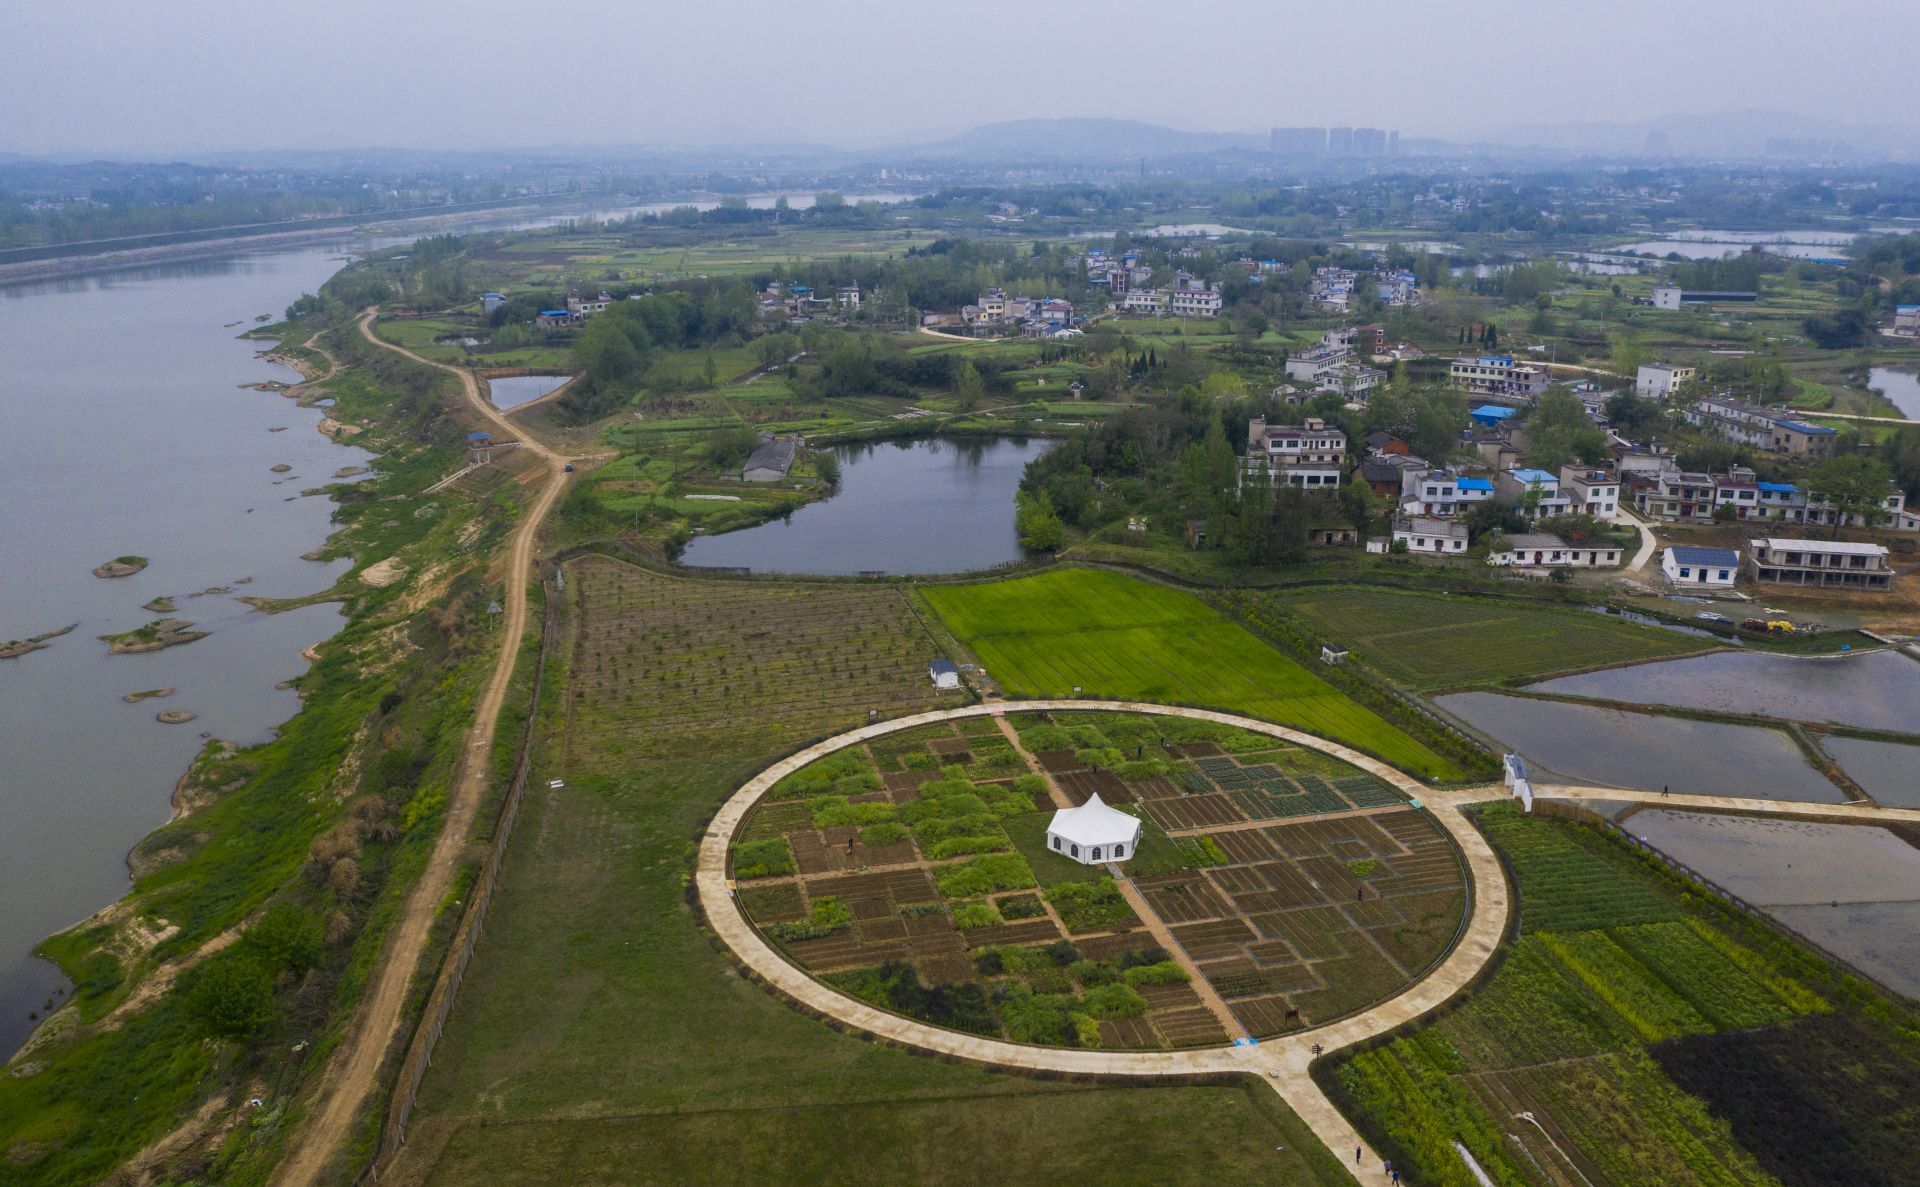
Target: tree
(1558, 431)
(1857, 487)
(287, 937)
(1034, 519)
(1359, 504)
(230, 997)
(827, 465)
(710, 372)
(967, 387)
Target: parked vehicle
(1710, 616)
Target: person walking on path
(1356, 1156)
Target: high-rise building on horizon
(1297, 142)
(1339, 142)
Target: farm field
(1113, 636)
(594, 993)
(1654, 1035)
(912, 872)
(1435, 641)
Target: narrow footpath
(352, 1079)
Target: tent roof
(1093, 823)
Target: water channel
(930, 505)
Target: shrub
(1022, 906)
(1038, 1017)
(960, 846)
(286, 937)
(1093, 972)
(984, 875)
(830, 914)
(1089, 906)
(1116, 1000)
(832, 811)
(968, 916)
(230, 996)
(765, 858)
(922, 761)
(1165, 972)
(896, 986)
(1062, 952)
(884, 833)
(1144, 956)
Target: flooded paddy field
(1852, 889)
(1593, 744)
(1871, 690)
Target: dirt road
(352, 1078)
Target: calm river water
(933, 505)
(127, 431)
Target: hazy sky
(154, 76)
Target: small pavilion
(1093, 833)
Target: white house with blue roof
(1701, 568)
(1536, 493)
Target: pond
(1616, 748)
(932, 505)
(1871, 690)
(516, 390)
(1713, 244)
(1900, 387)
(1852, 889)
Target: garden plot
(662, 663)
(913, 871)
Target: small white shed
(943, 674)
(1093, 833)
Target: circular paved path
(1281, 1061)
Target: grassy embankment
(599, 1026)
(1654, 1033)
(326, 825)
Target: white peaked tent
(1093, 833)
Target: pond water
(932, 505)
(516, 390)
(1852, 889)
(1712, 244)
(1872, 690)
(1899, 386)
(1612, 747)
(1887, 771)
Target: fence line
(433, 1020)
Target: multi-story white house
(1307, 455)
(1194, 302)
(1150, 301)
(1591, 491)
(1761, 427)
(1440, 536)
(1441, 493)
(1316, 364)
(1499, 375)
(1834, 564)
(1658, 381)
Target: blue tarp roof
(1474, 484)
(1783, 488)
(1535, 476)
(1712, 558)
(553, 313)
(1807, 428)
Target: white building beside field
(1093, 833)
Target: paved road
(352, 1079)
(1647, 541)
(1281, 1062)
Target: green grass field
(1118, 637)
(1431, 641)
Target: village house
(1536, 493)
(1194, 299)
(1670, 296)
(1700, 568)
(1499, 375)
(1906, 321)
(1495, 446)
(1383, 473)
(1658, 381)
(1440, 493)
(944, 674)
(490, 302)
(1308, 455)
(1530, 550)
(1739, 494)
(1436, 536)
(1591, 491)
(1761, 427)
(1386, 443)
(771, 460)
(1835, 564)
(553, 319)
(580, 308)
